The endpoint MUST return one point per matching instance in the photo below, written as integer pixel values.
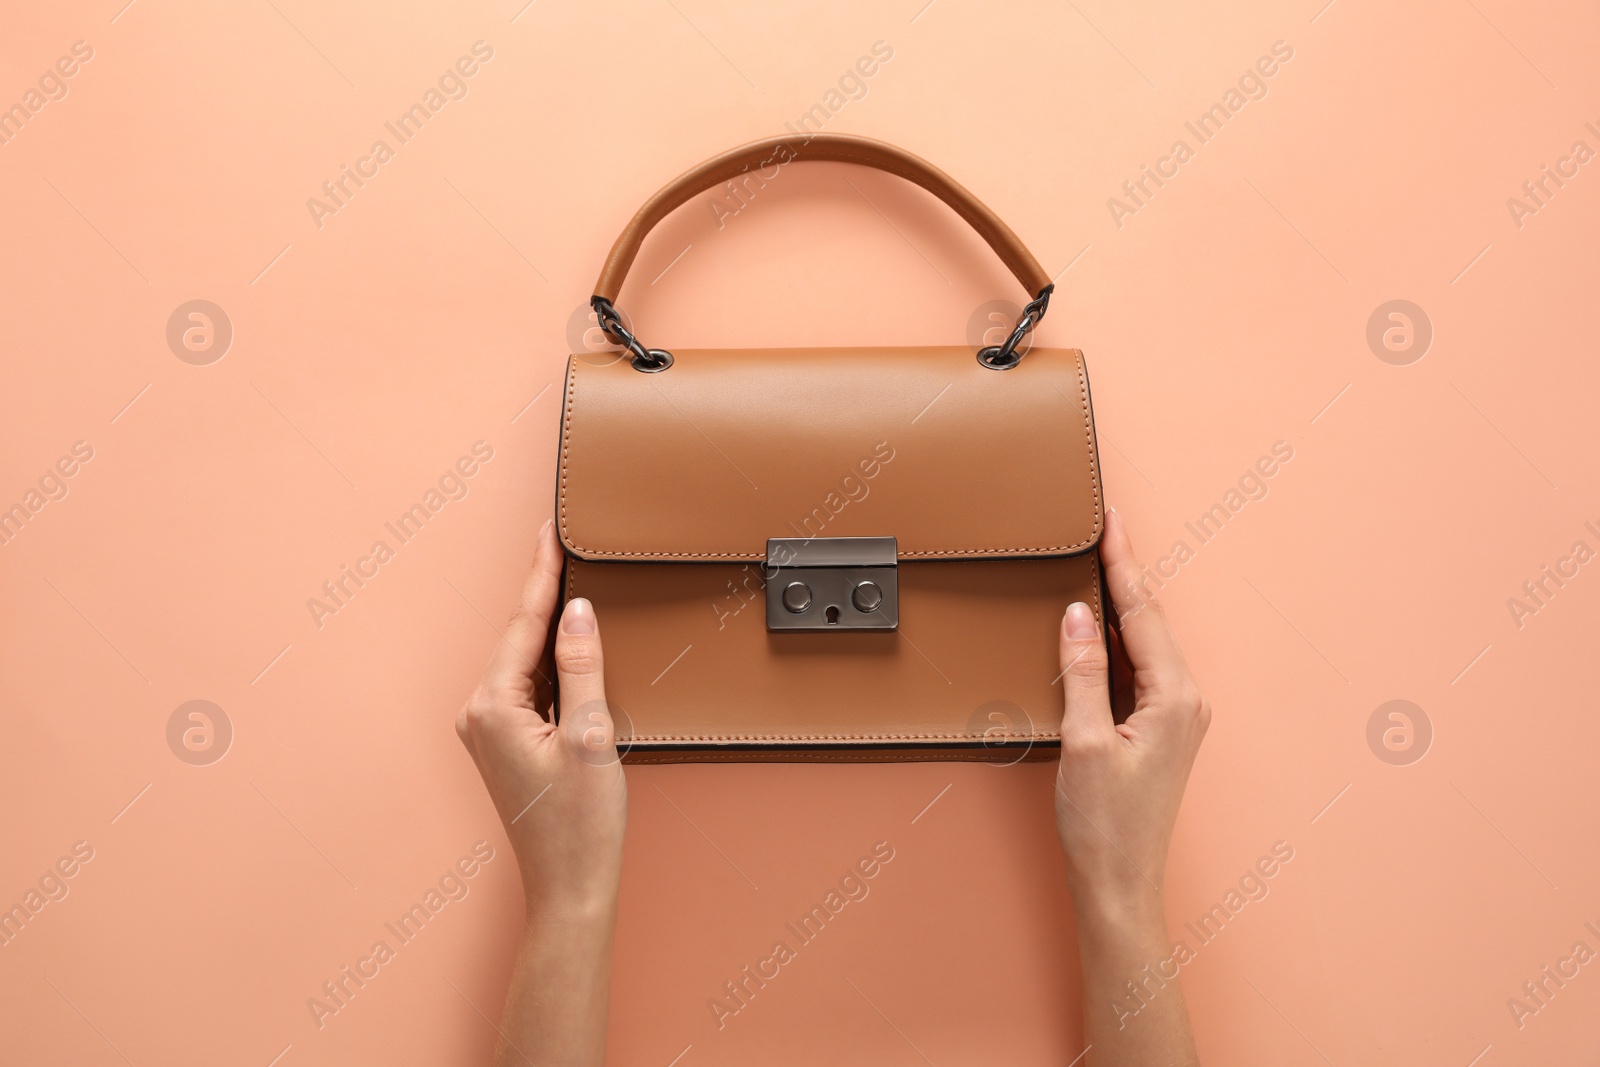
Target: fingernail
(578, 618)
(1080, 622)
(544, 531)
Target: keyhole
(832, 615)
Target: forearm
(1133, 1010)
(556, 1009)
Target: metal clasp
(1006, 356)
(648, 360)
(832, 583)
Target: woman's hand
(1117, 796)
(1119, 786)
(554, 778)
(557, 783)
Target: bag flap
(708, 459)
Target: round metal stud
(867, 597)
(797, 597)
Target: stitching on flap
(647, 738)
(566, 439)
(835, 756)
(1094, 483)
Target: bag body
(831, 553)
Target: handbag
(830, 553)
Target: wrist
(595, 911)
(1120, 912)
(587, 895)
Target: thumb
(584, 719)
(1084, 677)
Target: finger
(1122, 702)
(1084, 677)
(544, 677)
(1149, 642)
(515, 661)
(585, 720)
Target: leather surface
(671, 483)
(765, 158)
(692, 672)
(708, 459)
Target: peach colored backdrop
(222, 468)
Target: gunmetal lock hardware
(797, 597)
(832, 583)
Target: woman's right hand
(1119, 785)
(1117, 795)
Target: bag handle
(822, 147)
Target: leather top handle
(822, 147)
(762, 157)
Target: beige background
(432, 311)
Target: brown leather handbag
(830, 553)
